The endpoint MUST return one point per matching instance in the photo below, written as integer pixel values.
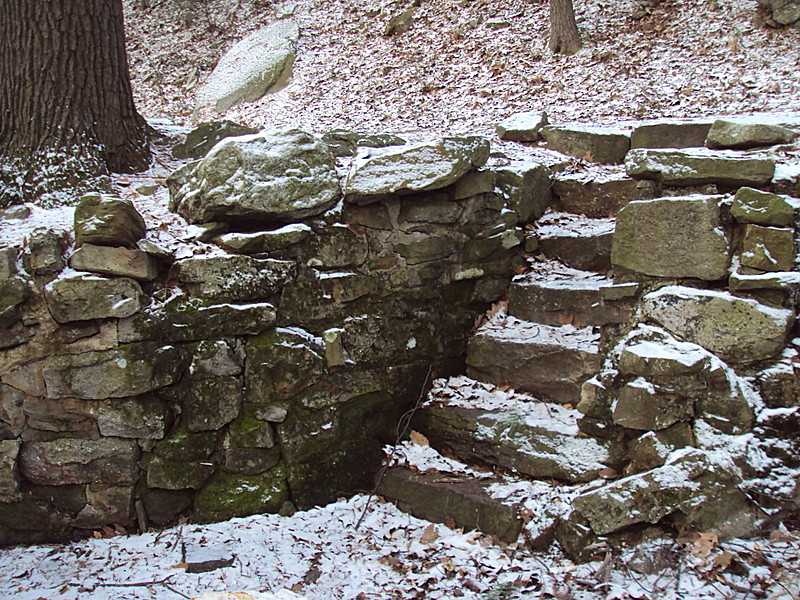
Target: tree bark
(65, 95)
(564, 35)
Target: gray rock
(44, 254)
(607, 145)
(203, 137)
(526, 185)
(259, 63)
(264, 177)
(669, 133)
(533, 438)
(699, 166)
(264, 241)
(13, 292)
(768, 248)
(787, 179)
(576, 241)
(67, 461)
(215, 358)
(234, 278)
(644, 406)
(209, 404)
(700, 488)
(12, 415)
(548, 362)
(575, 298)
(81, 297)
(228, 495)
(143, 417)
(105, 504)
(121, 262)
(413, 168)
(129, 370)
(522, 127)
(763, 208)
(167, 474)
(400, 22)
(744, 135)
(599, 195)
(107, 221)
(9, 476)
(672, 237)
(737, 329)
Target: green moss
(230, 495)
(185, 446)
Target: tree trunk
(66, 105)
(564, 35)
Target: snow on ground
(320, 555)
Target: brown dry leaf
(97, 535)
(297, 587)
(450, 522)
(724, 560)
(108, 532)
(180, 565)
(704, 543)
(430, 534)
(526, 515)
(565, 318)
(781, 535)
(418, 439)
(608, 473)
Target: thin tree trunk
(564, 35)
(65, 89)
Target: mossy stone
(107, 221)
(230, 495)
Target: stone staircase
(500, 449)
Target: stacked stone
(271, 368)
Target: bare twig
(402, 427)
(161, 582)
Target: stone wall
(263, 374)
(781, 13)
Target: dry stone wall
(262, 375)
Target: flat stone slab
(737, 329)
(413, 167)
(577, 241)
(526, 185)
(741, 135)
(546, 361)
(120, 262)
(672, 237)
(764, 208)
(599, 194)
(264, 241)
(83, 296)
(448, 497)
(259, 63)
(536, 439)
(592, 143)
(699, 166)
(522, 127)
(559, 295)
(671, 133)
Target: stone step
(547, 361)
(554, 294)
(510, 430)
(592, 143)
(599, 192)
(575, 240)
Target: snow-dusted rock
(68, 461)
(671, 133)
(264, 241)
(203, 137)
(523, 126)
(268, 176)
(107, 221)
(82, 297)
(698, 166)
(768, 248)
(575, 240)
(526, 184)
(260, 63)
(413, 167)
(737, 329)
(763, 208)
(600, 194)
(593, 143)
(744, 135)
(121, 262)
(672, 237)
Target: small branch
(161, 582)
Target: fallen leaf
(724, 559)
(704, 543)
(418, 439)
(608, 473)
(180, 565)
(565, 318)
(430, 534)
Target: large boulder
(271, 176)
(671, 133)
(414, 167)
(599, 194)
(260, 63)
(699, 166)
(122, 262)
(739, 330)
(522, 127)
(672, 237)
(592, 143)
